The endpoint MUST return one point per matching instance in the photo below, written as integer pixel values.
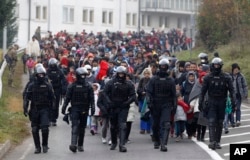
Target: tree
(216, 22)
(8, 19)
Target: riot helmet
(216, 65)
(203, 57)
(121, 73)
(88, 68)
(40, 74)
(53, 63)
(163, 67)
(81, 74)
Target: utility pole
(139, 18)
(29, 19)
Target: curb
(4, 148)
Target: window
(85, 15)
(134, 19)
(44, 12)
(38, 12)
(104, 17)
(166, 22)
(91, 16)
(179, 23)
(143, 20)
(149, 20)
(110, 17)
(128, 19)
(68, 15)
(160, 21)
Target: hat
(235, 65)
(216, 54)
(73, 48)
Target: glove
(25, 112)
(125, 105)
(92, 111)
(64, 109)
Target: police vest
(54, 77)
(162, 88)
(120, 92)
(40, 95)
(80, 95)
(217, 86)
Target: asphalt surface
(141, 146)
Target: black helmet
(53, 62)
(81, 74)
(163, 67)
(203, 57)
(216, 61)
(40, 74)
(119, 71)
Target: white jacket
(180, 114)
(131, 112)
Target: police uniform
(41, 95)
(161, 99)
(217, 84)
(119, 93)
(59, 83)
(81, 96)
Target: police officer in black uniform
(59, 84)
(216, 84)
(119, 93)
(81, 96)
(40, 95)
(161, 99)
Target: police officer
(59, 84)
(216, 84)
(161, 99)
(203, 58)
(40, 96)
(81, 96)
(119, 93)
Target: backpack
(8, 58)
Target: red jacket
(103, 70)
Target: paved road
(140, 146)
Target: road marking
(214, 155)
(226, 154)
(230, 128)
(244, 120)
(245, 109)
(26, 152)
(243, 115)
(244, 106)
(227, 144)
(233, 135)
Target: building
(99, 15)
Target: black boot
(164, 136)
(80, 149)
(122, 149)
(113, 146)
(73, 147)
(198, 137)
(219, 128)
(156, 145)
(81, 140)
(36, 139)
(203, 132)
(122, 136)
(45, 136)
(212, 137)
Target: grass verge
(13, 124)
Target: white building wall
(54, 20)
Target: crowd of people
(102, 78)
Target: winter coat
(181, 111)
(242, 88)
